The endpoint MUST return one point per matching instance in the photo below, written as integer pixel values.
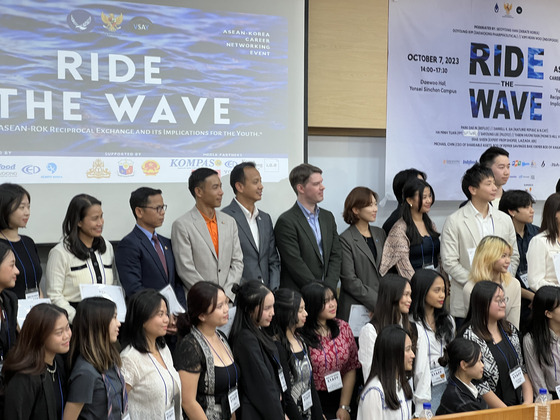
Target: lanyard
(430, 348)
(422, 249)
(123, 406)
(230, 357)
(402, 412)
(335, 354)
(61, 396)
(511, 345)
(21, 262)
(5, 316)
(163, 380)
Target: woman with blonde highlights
(491, 262)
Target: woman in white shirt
(544, 248)
(436, 329)
(152, 383)
(83, 256)
(392, 307)
(387, 394)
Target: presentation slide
(103, 97)
(464, 76)
(125, 92)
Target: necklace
(53, 371)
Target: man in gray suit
(306, 235)
(260, 257)
(205, 240)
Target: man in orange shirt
(205, 241)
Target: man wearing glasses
(145, 258)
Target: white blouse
(372, 404)
(155, 388)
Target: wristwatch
(346, 407)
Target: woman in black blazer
(362, 246)
(35, 380)
(261, 379)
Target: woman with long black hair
(34, 375)
(505, 381)
(332, 350)
(387, 394)
(542, 354)
(15, 209)
(262, 377)
(413, 242)
(436, 329)
(300, 399)
(83, 256)
(203, 358)
(393, 306)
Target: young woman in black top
(203, 358)
(34, 376)
(15, 204)
(464, 359)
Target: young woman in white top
(152, 383)
(83, 256)
(541, 345)
(387, 394)
(436, 329)
(544, 248)
(392, 307)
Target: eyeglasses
(159, 209)
(502, 301)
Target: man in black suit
(144, 258)
(256, 235)
(306, 235)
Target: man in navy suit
(145, 258)
(256, 235)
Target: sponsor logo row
(99, 169)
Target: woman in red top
(332, 349)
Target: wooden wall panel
(347, 64)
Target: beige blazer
(460, 233)
(195, 256)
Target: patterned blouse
(491, 374)
(340, 354)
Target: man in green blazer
(306, 235)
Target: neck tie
(160, 253)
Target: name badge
(126, 416)
(438, 375)
(525, 279)
(170, 414)
(429, 267)
(233, 398)
(517, 378)
(32, 293)
(557, 390)
(282, 380)
(307, 400)
(333, 381)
